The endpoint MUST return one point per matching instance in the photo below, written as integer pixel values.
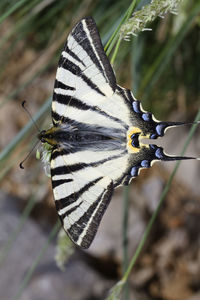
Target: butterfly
(96, 134)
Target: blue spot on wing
(146, 117)
(159, 153)
(145, 163)
(134, 171)
(136, 106)
(160, 129)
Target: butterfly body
(96, 134)
(72, 137)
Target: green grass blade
(110, 44)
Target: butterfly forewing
(84, 71)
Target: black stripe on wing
(74, 69)
(58, 118)
(62, 170)
(57, 152)
(72, 54)
(56, 183)
(62, 99)
(72, 198)
(100, 60)
(91, 221)
(74, 102)
(67, 169)
(61, 85)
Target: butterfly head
(41, 136)
(48, 136)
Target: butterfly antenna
(27, 156)
(30, 116)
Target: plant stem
(110, 44)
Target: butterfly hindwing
(81, 195)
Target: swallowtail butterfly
(96, 134)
